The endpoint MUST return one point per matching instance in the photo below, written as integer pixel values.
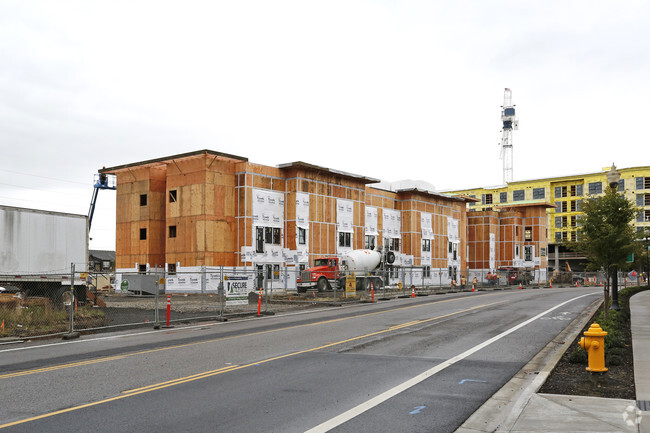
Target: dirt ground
(573, 379)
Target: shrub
(578, 356)
(614, 360)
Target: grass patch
(43, 319)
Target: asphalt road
(416, 365)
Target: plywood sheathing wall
(131, 216)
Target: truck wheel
(377, 283)
(60, 295)
(322, 284)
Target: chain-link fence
(32, 307)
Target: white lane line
(375, 401)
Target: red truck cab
(322, 275)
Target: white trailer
(37, 249)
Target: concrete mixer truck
(330, 271)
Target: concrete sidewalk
(518, 408)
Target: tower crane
(510, 122)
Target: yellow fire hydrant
(594, 343)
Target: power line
(42, 190)
(43, 177)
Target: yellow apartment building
(566, 193)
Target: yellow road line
(207, 374)
(175, 381)
(180, 346)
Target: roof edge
(168, 158)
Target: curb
(502, 410)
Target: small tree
(606, 236)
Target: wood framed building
(209, 209)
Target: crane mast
(510, 122)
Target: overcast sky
(386, 89)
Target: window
(643, 183)
(503, 197)
(518, 195)
(486, 199)
(173, 196)
(558, 222)
(143, 234)
(370, 242)
(172, 231)
(143, 199)
(528, 253)
(392, 244)
(276, 272)
(302, 236)
(574, 221)
(538, 193)
(574, 236)
(142, 269)
(453, 249)
(558, 236)
(345, 239)
(574, 206)
(621, 185)
(528, 234)
(426, 272)
(426, 245)
(560, 191)
(171, 269)
(561, 206)
(276, 236)
(595, 188)
(516, 251)
(576, 190)
(259, 244)
(542, 252)
(565, 221)
(565, 236)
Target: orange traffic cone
(473, 289)
(519, 286)
(372, 293)
(550, 284)
(412, 291)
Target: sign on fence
(350, 286)
(237, 288)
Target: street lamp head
(613, 176)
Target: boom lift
(102, 181)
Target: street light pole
(613, 177)
(647, 259)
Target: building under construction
(207, 208)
